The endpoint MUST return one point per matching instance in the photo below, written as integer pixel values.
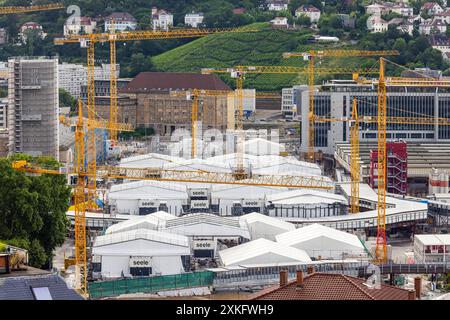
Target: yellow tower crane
(239, 73)
(199, 176)
(383, 82)
(112, 37)
(25, 9)
(194, 96)
(88, 41)
(354, 159)
(311, 56)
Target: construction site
(221, 194)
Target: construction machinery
(239, 73)
(112, 37)
(354, 159)
(383, 82)
(81, 198)
(311, 57)
(33, 8)
(194, 95)
(88, 41)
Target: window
(41, 293)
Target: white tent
(139, 222)
(206, 224)
(305, 196)
(259, 146)
(262, 252)
(262, 226)
(161, 251)
(324, 242)
(153, 221)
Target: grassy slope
(261, 48)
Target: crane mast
(310, 56)
(381, 249)
(354, 159)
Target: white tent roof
(139, 222)
(316, 230)
(259, 146)
(145, 234)
(255, 217)
(162, 215)
(147, 188)
(206, 224)
(262, 250)
(243, 192)
(153, 221)
(433, 239)
(151, 160)
(305, 196)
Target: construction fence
(115, 288)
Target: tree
(66, 100)
(139, 63)
(33, 209)
(303, 20)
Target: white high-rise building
(73, 76)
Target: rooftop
(328, 286)
(36, 287)
(148, 81)
(316, 230)
(433, 239)
(262, 250)
(144, 234)
(121, 16)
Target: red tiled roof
(239, 10)
(120, 16)
(428, 5)
(327, 286)
(147, 81)
(308, 8)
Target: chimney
(154, 11)
(310, 270)
(412, 295)
(299, 279)
(418, 286)
(283, 278)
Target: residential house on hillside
(122, 21)
(310, 11)
(444, 16)
(28, 26)
(388, 7)
(193, 19)
(280, 22)
(406, 27)
(377, 24)
(277, 5)
(431, 8)
(79, 25)
(441, 42)
(161, 19)
(376, 9)
(432, 26)
(401, 9)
